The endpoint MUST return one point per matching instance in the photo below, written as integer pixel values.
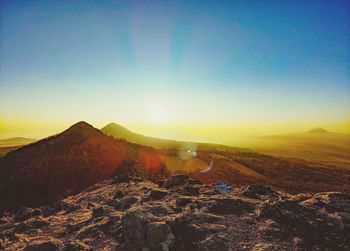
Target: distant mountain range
(18, 141)
(317, 144)
(318, 130)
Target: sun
(158, 113)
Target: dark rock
(98, 212)
(47, 210)
(175, 180)
(192, 181)
(25, 213)
(72, 207)
(187, 234)
(183, 201)
(135, 223)
(157, 194)
(118, 194)
(63, 205)
(22, 227)
(37, 222)
(45, 245)
(77, 246)
(124, 203)
(159, 236)
(191, 190)
(161, 183)
(227, 206)
(109, 224)
(160, 210)
(255, 190)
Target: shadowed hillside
(65, 164)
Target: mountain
(318, 130)
(180, 214)
(18, 141)
(317, 144)
(120, 132)
(67, 163)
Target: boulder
(135, 223)
(118, 194)
(50, 244)
(98, 212)
(159, 236)
(157, 194)
(183, 201)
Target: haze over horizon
(178, 70)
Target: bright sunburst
(158, 113)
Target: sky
(204, 70)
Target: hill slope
(126, 213)
(120, 132)
(59, 165)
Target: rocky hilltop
(180, 213)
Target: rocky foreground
(127, 213)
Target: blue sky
(194, 62)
